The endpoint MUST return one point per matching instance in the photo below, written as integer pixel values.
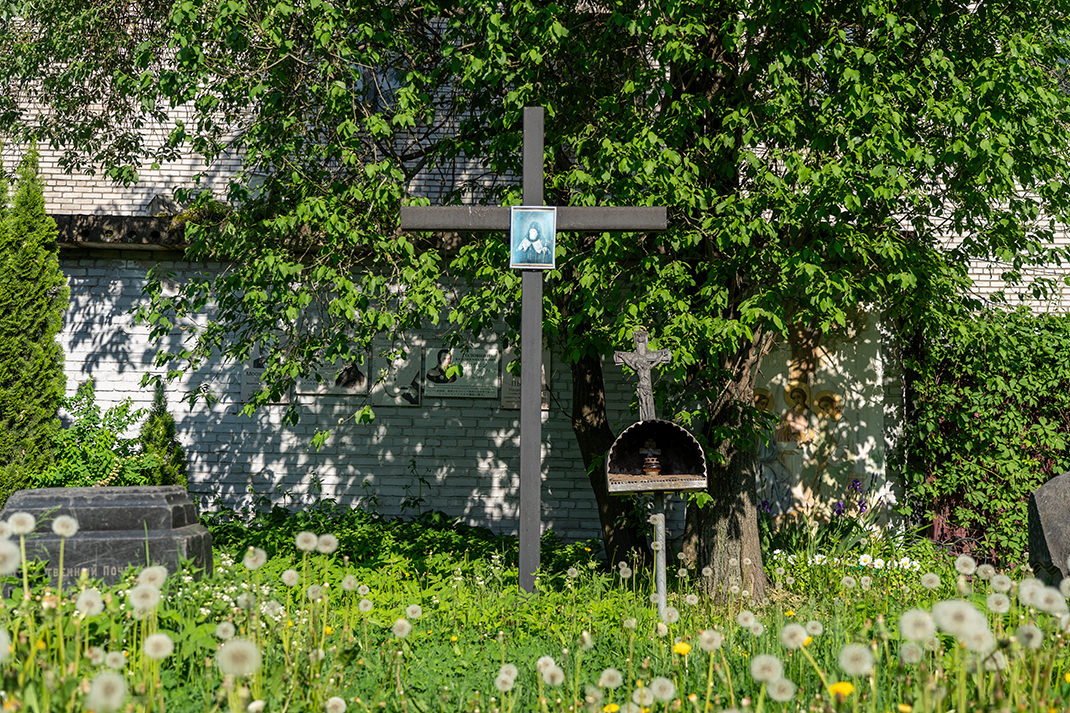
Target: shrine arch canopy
(681, 459)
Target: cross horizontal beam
(569, 218)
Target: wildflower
(254, 558)
(159, 646)
(306, 541)
(672, 615)
(1050, 600)
(916, 625)
(848, 582)
(106, 692)
(710, 640)
(682, 572)
(996, 662)
(326, 543)
(238, 657)
(225, 630)
(757, 628)
(930, 580)
(610, 678)
(655, 546)
(95, 655)
(986, 572)
(792, 636)
(1029, 636)
(781, 690)
(856, 660)
(543, 663)
(625, 572)
(631, 623)
(504, 683)
(272, 609)
(1001, 583)
(789, 580)
(290, 578)
(745, 618)
(401, 628)
(733, 562)
(747, 562)
(910, 653)
(841, 689)
(765, 668)
(734, 590)
(1028, 588)
(1064, 586)
(707, 571)
(958, 617)
(314, 592)
(660, 629)
(414, 611)
(349, 583)
(509, 670)
(65, 526)
(115, 660)
(10, 557)
(155, 576)
(662, 688)
(979, 641)
(22, 523)
(610, 708)
(865, 581)
(814, 628)
(643, 697)
(143, 597)
(586, 640)
(691, 600)
(363, 590)
(90, 603)
(245, 600)
(572, 573)
(865, 560)
(653, 597)
(335, 704)
(998, 603)
(681, 647)
(256, 706)
(904, 708)
(964, 564)
(553, 676)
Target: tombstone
(118, 527)
(1049, 529)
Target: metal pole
(659, 552)
(531, 369)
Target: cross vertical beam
(531, 367)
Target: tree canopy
(819, 159)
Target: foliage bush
(93, 449)
(991, 423)
(33, 297)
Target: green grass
(320, 652)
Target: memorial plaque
(461, 373)
(342, 378)
(397, 373)
(118, 527)
(511, 380)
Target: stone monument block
(117, 527)
(1049, 529)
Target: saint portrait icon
(533, 238)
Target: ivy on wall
(990, 423)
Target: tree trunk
(723, 534)
(621, 529)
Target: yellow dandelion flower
(789, 612)
(328, 630)
(841, 689)
(808, 640)
(1066, 677)
(681, 647)
(610, 708)
(904, 708)
(453, 638)
(289, 622)
(41, 644)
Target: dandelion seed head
(765, 668)
(553, 676)
(306, 541)
(115, 660)
(958, 617)
(643, 697)
(625, 572)
(314, 592)
(414, 611)
(781, 690)
(225, 630)
(710, 640)
(509, 670)
(254, 558)
(144, 597)
(662, 688)
(401, 628)
(916, 625)
(364, 590)
(611, 678)
(793, 636)
(349, 583)
(856, 660)
(707, 571)
(998, 603)
(1001, 583)
(290, 578)
(996, 662)
(814, 627)
(572, 573)
(1050, 600)
(504, 683)
(106, 692)
(979, 641)
(335, 704)
(1028, 589)
(1029, 636)
(65, 526)
(848, 582)
(930, 580)
(672, 615)
(910, 653)
(365, 606)
(757, 628)
(158, 646)
(986, 572)
(660, 629)
(326, 543)
(543, 663)
(238, 657)
(964, 564)
(90, 603)
(21, 523)
(691, 600)
(10, 557)
(155, 575)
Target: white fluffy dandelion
(115, 660)
(143, 597)
(543, 663)
(106, 692)
(691, 600)
(916, 625)
(238, 657)
(910, 653)
(65, 526)
(225, 630)
(814, 627)
(10, 557)
(290, 577)
(958, 617)
(5, 645)
(856, 660)
(996, 662)
(757, 628)
(401, 628)
(1001, 583)
(364, 590)
(414, 611)
(964, 564)
(509, 670)
(365, 606)
(254, 558)
(553, 676)
(765, 668)
(306, 541)
(1029, 636)
(1050, 600)
(504, 683)
(314, 592)
(643, 697)
(349, 583)
(781, 690)
(21, 523)
(611, 678)
(672, 615)
(326, 543)
(745, 619)
(848, 582)
(793, 636)
(89, 603)
(335, 704)
(158, 646)
(1028, 589)
(662, 688)
(930, 580)
(710, 640)
(979, 641)
(998, 603)
(986, 572)
(155, 576)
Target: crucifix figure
(642, 361)
(497, 219)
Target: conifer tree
(33, 297)
(158, 439)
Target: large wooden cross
(497, 219)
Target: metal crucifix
(497, 219)
(642, 361)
